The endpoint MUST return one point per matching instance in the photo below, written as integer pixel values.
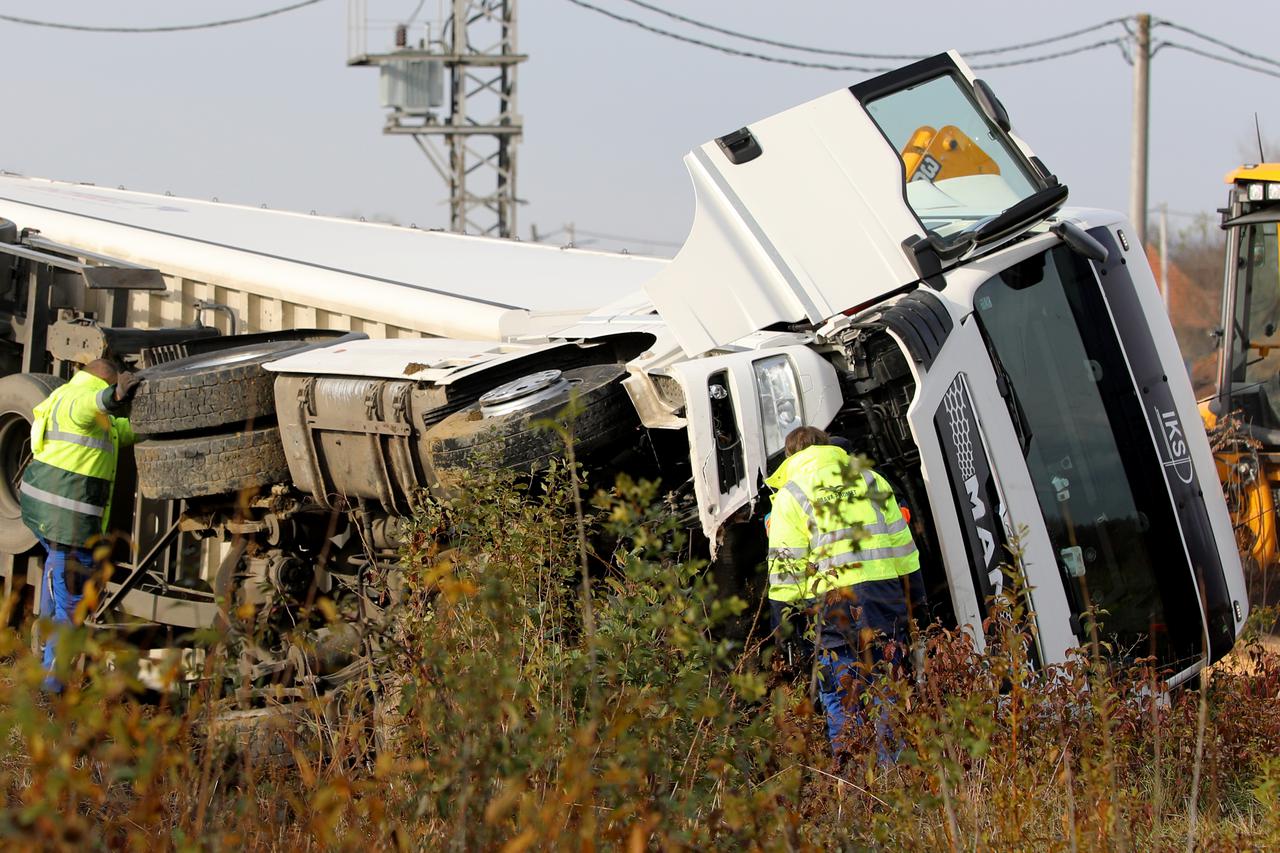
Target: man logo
(978, 507)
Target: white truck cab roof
(812, 212)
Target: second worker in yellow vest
(841, 551)
(66, 490)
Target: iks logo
(1175, 456)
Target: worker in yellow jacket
(841, 550)
(76, 436)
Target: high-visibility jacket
(833, 527)
(75, 442)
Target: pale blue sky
(268, 112)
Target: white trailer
(249, 269)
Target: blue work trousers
(66, 569)
(840, 690)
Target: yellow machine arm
(937, 155)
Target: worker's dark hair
(805, 436)
(103, 369)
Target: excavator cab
(1248, 383)
(1249, 363)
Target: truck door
(739, 409)
(810, 212)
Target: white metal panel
(431, 282)
(436, 360)
(820, 392)
(809, 228)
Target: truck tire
(20, 393)
(514, 440)
(214, 389)
(200, 466)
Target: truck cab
(1004, 361)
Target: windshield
(1255, 351)
(960, 168)
(1097, 475)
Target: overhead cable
(989, 51)
(416, 10)
(1207, 55)
(732, 51)
(618, 238)
(1161, 22)
(859, 55)
(174, 28)
(1009, 63)
(770, 42)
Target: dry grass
(491, 719)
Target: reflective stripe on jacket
(833, 527)
(66, 488)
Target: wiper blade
(1030, 210)
(931, 254)
(1016, 413)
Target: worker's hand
(126, 385)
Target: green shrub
(554, 676)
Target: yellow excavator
(1243, 415)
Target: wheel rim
(523, 393)
(15, 455)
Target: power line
(1041, 42)
(175, 28)
(618, 238)
(732, 51)
(1228, 60)
(770, 42)
(859, 55)
(1219, 42)
(1046, 57)
(416, 10)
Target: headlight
(779, 396)
(1273, 192)
(1256, 191)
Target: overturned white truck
(889, 262)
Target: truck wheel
(502, 428)
(20, 393)
(200, 466)
(208, 390)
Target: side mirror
(1080, 241)
(991, 105)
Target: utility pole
(1141, 121)
(476, 152)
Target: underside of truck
(267, 491)
(879, 387)
(286, 487)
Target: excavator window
(1256, 348)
